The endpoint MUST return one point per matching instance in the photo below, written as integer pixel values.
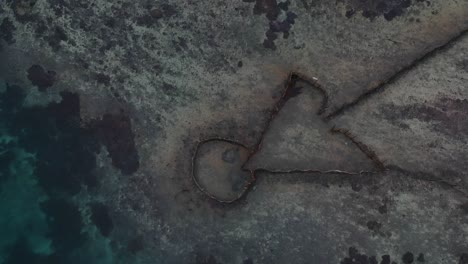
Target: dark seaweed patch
(421, 258)
(40, 77)
(285, 25)
(374, 225)
(284, 5)
(6, 31)
(383, 209)
(23, 9)
(371, 9)
(65, 152)
(21, 253)
(230, 155)
(464, 65)
(180, 44)
(268, 7)
(350, 13)
(293, 92)
(153, 15)
(56, 39)
(65, 223)
(463, 259)
(354, 257)
(385, 259)
(61, 7)
(41, 28)
(448, 115)
(65, 149)
(148, 20)
(135, 245)
(168, 10)
(7, 156)
(115, 132)
(11, 101)
(203, 259)
(464, 207)
(101, 218)
(65, 159)
(102, 78)
(269, 42)
(272, 11)
(407, 258)
(151, 18)
(279, 27)
(169, 89)
(157, 13)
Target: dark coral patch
(40, 77)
